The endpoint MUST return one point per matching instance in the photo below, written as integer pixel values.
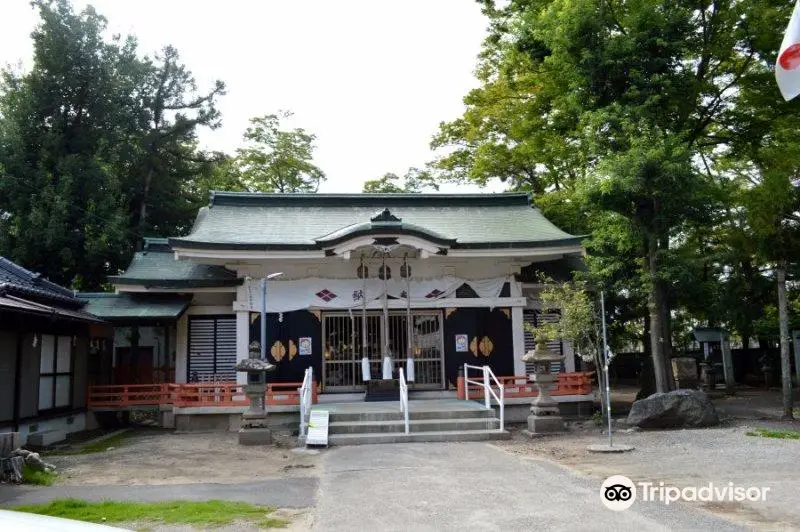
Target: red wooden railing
(210, 394)
(578, 383)
(118, 395)
(185, 395)
(287, 393)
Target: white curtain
(366, 374)
(410, 370)
(318, 292)
(387, 367)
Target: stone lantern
(544, 417)
(254, 429)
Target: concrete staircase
(429, 421)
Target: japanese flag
(787, 67)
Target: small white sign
(462, 343)
(304, 342)
(318, 428)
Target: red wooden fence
(578, 383)
(183, 395)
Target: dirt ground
(163, 457)
(680, 458)
(684, 458)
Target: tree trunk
(656, 305)
(666, 321)
(647, 381)
(666, 333)
(148, 181)
(783, 325)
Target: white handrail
(404, 397)
(487, 389)
(305, 400)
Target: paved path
(474, 486)
(284, 493)
(418, 486)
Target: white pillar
(242, 341)
(569, 357)
(518, 338)
(181, 344)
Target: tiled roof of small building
(14, 278)
(236, 220)
(128, 307)
(156, 267)
(26, 292)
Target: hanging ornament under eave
(405, 270)
(362, 271)
(384, 272)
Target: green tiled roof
(156, 267)
(306, 221)
(127, 307)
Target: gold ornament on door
(486, 346)
(278, 351)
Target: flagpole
(605, 365)
(366, 370)
(409, 328)
(385, 324)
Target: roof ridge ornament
(385, 216)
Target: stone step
(46, 437)
(471, 413)
(441, 436)
(416, 425)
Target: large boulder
(675, 409)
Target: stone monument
(545, 417)
(685, 371)
(254, 429)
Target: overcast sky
(372, 79)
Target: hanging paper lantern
(405, 270)
(384, 273)
(362, 271)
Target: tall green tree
(773, 206)
(619, 107)
(61, 127)
(98, 148)
(172, 109)
(278, 160)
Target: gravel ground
(151, 457)
(685, 458)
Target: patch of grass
(112, 441)
(37, 476)
(200, 513)
(116, 441)
(780, 434)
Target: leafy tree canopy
(414, 181)
(278, 160)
